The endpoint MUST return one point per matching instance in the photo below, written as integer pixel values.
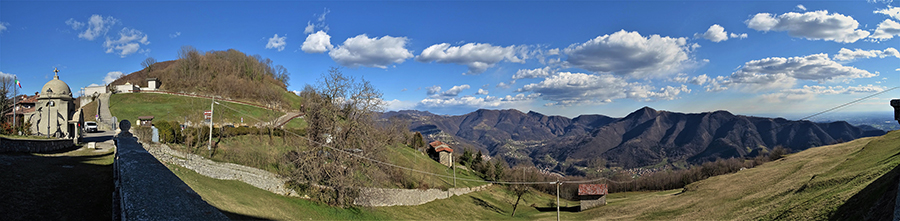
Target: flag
(17, 83)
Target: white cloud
(395, 105)
(566, 89)
(112, 76)
(817, 25)
(801, 7)
(177, 33)
(96, 26)
(632, 55)
(3, 26)
(696, 80)
(893, 12)
(715, 33)
(482, 92)
(780, 73)
(809, 92)
(318, 42)
(850, 55)
(277, 42)
(503, 85)
(310, 28)
(320, 18)
(129, 42)
(478, 57)
(533, 73)
(371, 52)
(433, 90)
(6, 75)
(741, 36)
(887, 29)
(471, 102)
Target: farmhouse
(441, 152)
(592, 195)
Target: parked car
(90, 126)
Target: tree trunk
(519, 197)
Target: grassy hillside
(180, 108)
(242, 201)
(849, 181)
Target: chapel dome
(56, 88)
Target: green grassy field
(180, 108)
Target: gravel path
(224, 171)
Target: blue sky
(558, 58)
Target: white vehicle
(90, 126)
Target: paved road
(99, 137)
(105, 115)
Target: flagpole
(15, 99)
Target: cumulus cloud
(566, 89)
(780, 73)
(6, 75)
(696, 80)
(631, 55)
(808, 92)
(891, 11)
(741, 36)
(478, 57)
(887, 29)
(96, 26)
(129, 42)
(318, 42)
(277, 42)
(850, 55)
(433, 90)
(503, 85)
(817, 25)
(533, 73)
(481, 92)
(471, 102)
(396, 105)
(112, 76)
(801, 7)
(3, 26)
(371, 52)
(715, 33)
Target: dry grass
(812, 184)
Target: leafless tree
(148, 63)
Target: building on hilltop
(55, 111)
(441, 152)
(152, 85)
(24, 106)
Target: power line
(848, 103)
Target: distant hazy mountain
(644, 137)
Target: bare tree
(7, 88)
(148, 63)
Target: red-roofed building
(24, 106)
(592, 195)
(441, 152)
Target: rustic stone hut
(441, 152)
(592, 195)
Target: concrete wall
(11, 145)
(147, 190)
(408, 197)
(588, 202)
(89, 91)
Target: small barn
(441, 152)
(592, 195)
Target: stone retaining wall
(12, 145)
(147, 190)
(374, 197)
(224, 171)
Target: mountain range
(644, 138)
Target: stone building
(592, 195)
(441, 152)
(55, 112)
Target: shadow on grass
(573, 209)
(36, 187)
(238, 216)
(875, 202)
(486, 205)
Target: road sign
(207, 115)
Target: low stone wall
(592, 201)
(374, 197)
(147, 190)
(12, 145)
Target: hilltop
(646, 137)
(229, 74)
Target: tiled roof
(440, 146)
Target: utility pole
(557, 198)
(211, 111)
